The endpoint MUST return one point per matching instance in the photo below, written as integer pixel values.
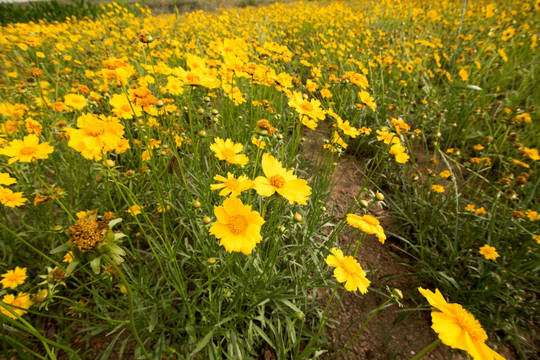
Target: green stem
(427, 349)
(130, 298)
(324, 321)
(362, 327)
(25, 325)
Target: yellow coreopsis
(280, 180)
(348, 270)
(27, 150)
(13, 278)
(95, 136)
(367, 224)
(231, 185)
(237, 226)
(227, 150)
(458, 328)
(18, 304)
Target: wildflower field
(165, 180)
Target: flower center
(232, 184)
(307, 107)
(87, 233)
(468, 323)
(125, 108)
(238, 224)
(192, 78)
(28, 150)
(277, 181)
(228, 154)
(96, 130)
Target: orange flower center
(228, 154)
(192, 78)
(277, 181)
(306, 106)
(468, 323)
(28, 150)
(125, 108)
(238, 224)
(232, 184)
(96, 130)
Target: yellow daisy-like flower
(387, 137)
(367, 99)
(489, 252)
(27, 150)
(312, 108)
(278, 179)
(437, 188)
(17, 304)
(367, 224)
(237, 226)
(68, 257)
(13, 278)
(227, 150)
(74, 101)
(458, 328)
(348, 270)
(123, 108)
(11, 199)
(445, 174)
(231, 185)
(95, 136)
(261, 144)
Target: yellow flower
(123, 108)
(470, 207)
(134, 210)
(231, 185)
(367, 99)
(312, 108)
(17, 304)
(27, 150)
(367, 224)
(278, 179)
(399, 152)
(480, 211)
(437, 188)
(458, 328)
(238, 227)
(387, 137)
(13, 278)
(445, 174)
(95, 136)
(74, 101)
(68, 257)
(227, 150)
(11, 199)
(463, 74)
(489, 252)
(532, 215)
(348, 270)
(261, 144)
(508, 33)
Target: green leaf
(202, 343)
